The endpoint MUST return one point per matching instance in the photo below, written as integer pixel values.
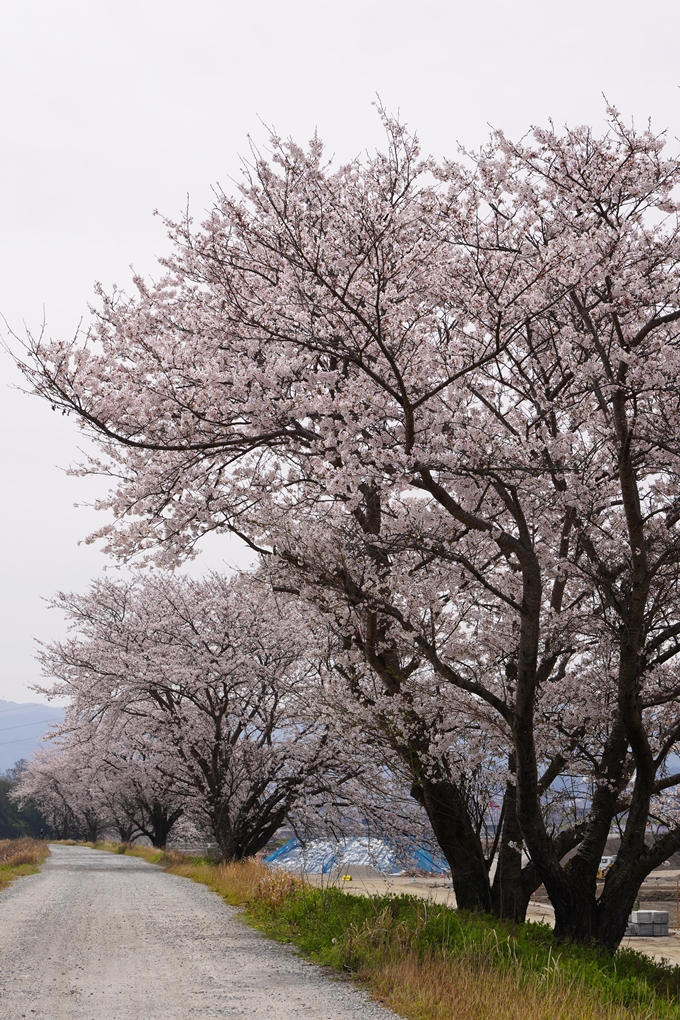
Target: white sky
(112, 109)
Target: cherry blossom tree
(399, 216)
(214, 677)
(128, 761)
(93, 778)
(441, 402)
(70, 797)
(451, 748)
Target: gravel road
(96, 936)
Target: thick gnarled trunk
(507, 896)
(460, 844)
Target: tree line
(209, 707)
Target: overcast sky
(113, 109)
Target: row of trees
(440, 401)
(15, 820)
(204, 705)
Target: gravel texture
(96, 936)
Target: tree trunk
(581, 917)
(512, 885)
(93, 826)
(230, 848)
(155, 821)
(125, 831)
(508, 896)
(460, 844)
(615, 905)
(161, 822)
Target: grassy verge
(20, 857)
(428, 962)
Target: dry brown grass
(148, 853)
(14, 852)
(239, 883)
(437, 989)
(20, 857)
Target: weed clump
(20, 857)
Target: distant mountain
(21, 727)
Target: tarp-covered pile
(320, 856)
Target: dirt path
(96, 936)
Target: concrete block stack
(648, 923)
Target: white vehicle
(605, 865)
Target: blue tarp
(319, 856)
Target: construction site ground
(660, 891)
